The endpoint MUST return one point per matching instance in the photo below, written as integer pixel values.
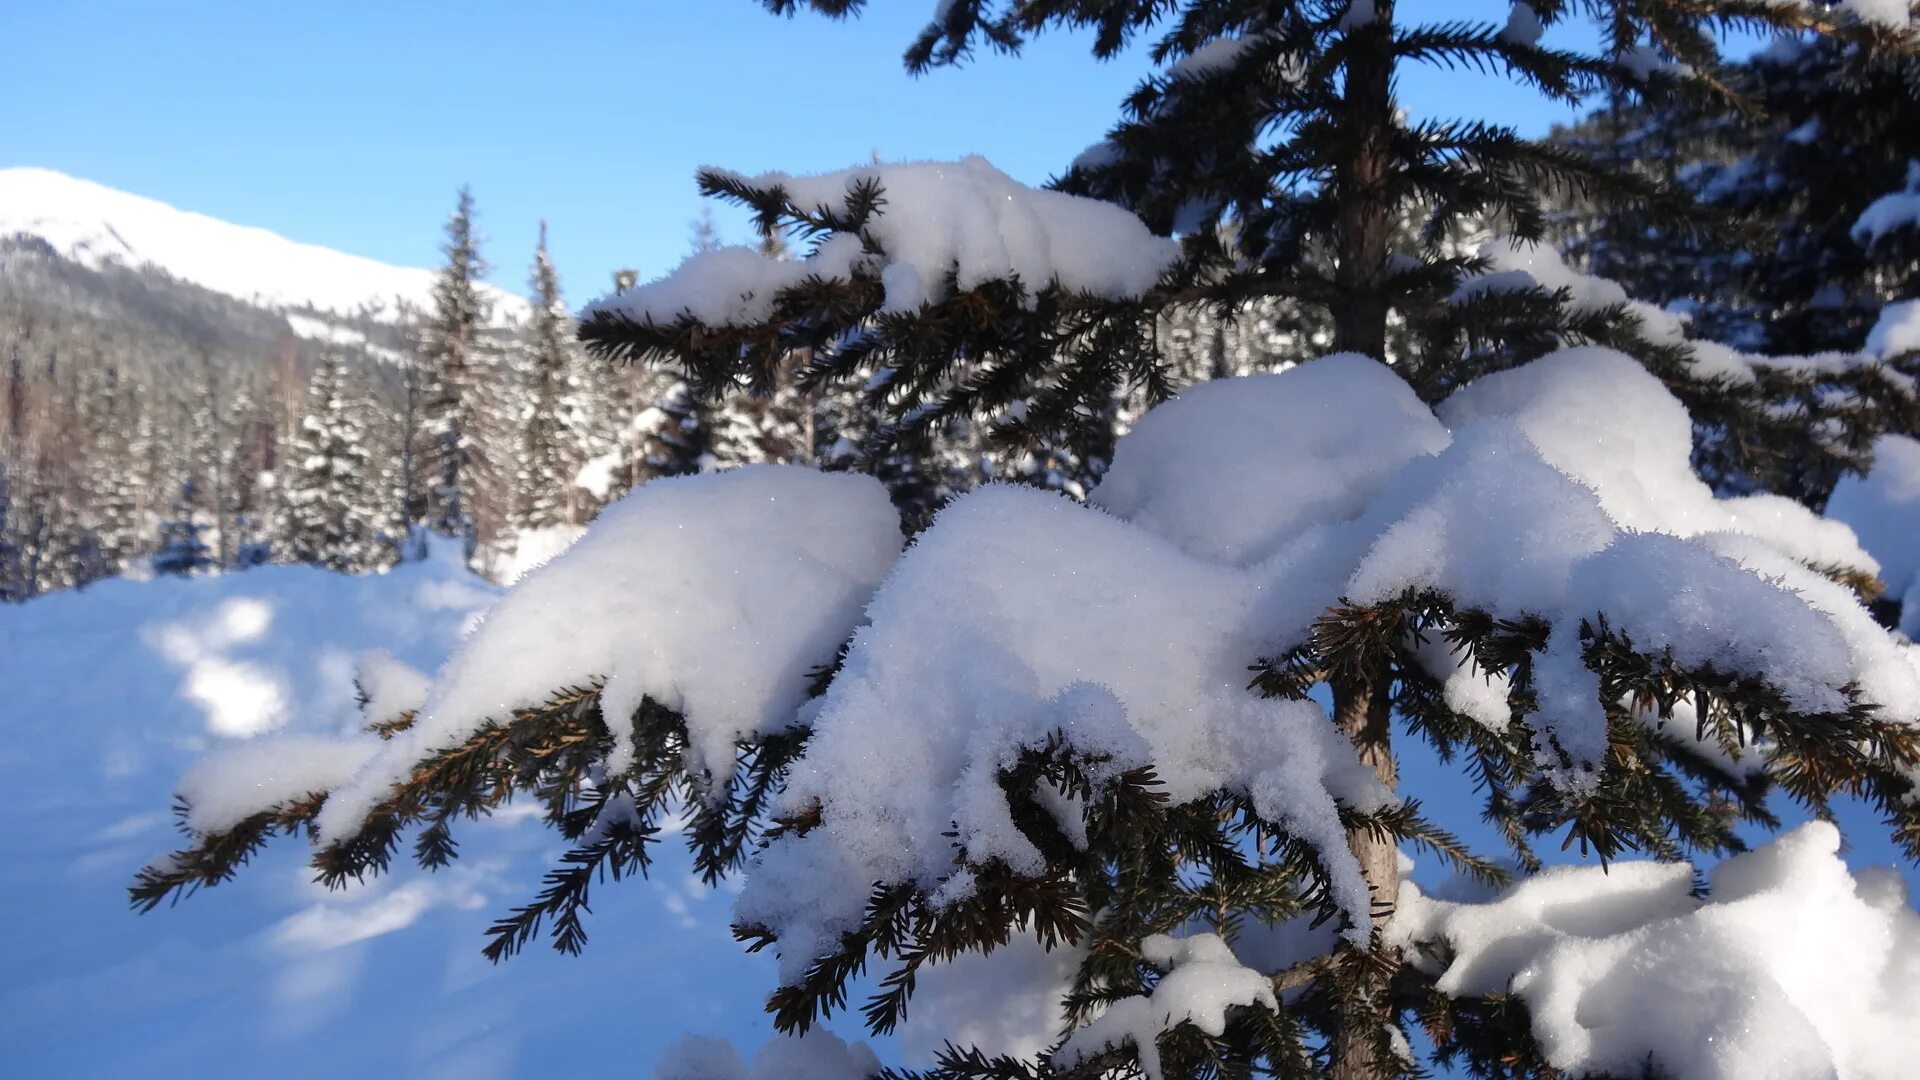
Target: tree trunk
(1362, 706)
(1362, 709)
(1365, 215)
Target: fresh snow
(94, 224)
(713, 595)
(962, 217)
(1790, 968)
(1883, 508)
(1204, 980)
(1018, 614)
(1523, 25)
(270, 974)
(1897, 331)
(1293, 462)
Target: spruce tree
(1606, 716)
(553, 442)
(330, 497)
(181, 549)
(454, 356)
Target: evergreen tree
(330, 499)
(1280, 119)
(554, 440)
(10, 587)
(454, 357)
(182, 550)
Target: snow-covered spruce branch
(1035, 726)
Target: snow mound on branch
(1203, 982)
(1017, 615)
(1279, 456)
(817, 1055)
(1883, 507)
(1516, 265)
(232, 784)
(964, 218)
(1791, 968)
(1635, 454)
(1897, 331)
(714, 595)
(391, 686)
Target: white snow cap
(1523, 25)
(392, 686)
(1015, 615)
(1897, 331)
(714, 595)
(963, 217)
(1279, 456)
(1246, 508)
(1883, 508)
(1897, 14)
(1791, 968)
(1203, 982)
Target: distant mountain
(324, 293)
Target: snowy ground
(111, 693)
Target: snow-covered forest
(1305, 591)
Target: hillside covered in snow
(95, 225)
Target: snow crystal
(1015, 615)
(1203, 983)
(966, 218)
(714, 595)
(817, 1055)
(1278, 454)
(1897, 332)
(1792, 967)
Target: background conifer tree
(454, 358)
(330, 498)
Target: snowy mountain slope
(93, 224)
(112, 692)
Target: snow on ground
(92, 224)
(115, 691)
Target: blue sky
(351, 124)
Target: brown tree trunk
(1362, 709)
(1365, 215)
(1361, 705)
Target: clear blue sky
(351, 124)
